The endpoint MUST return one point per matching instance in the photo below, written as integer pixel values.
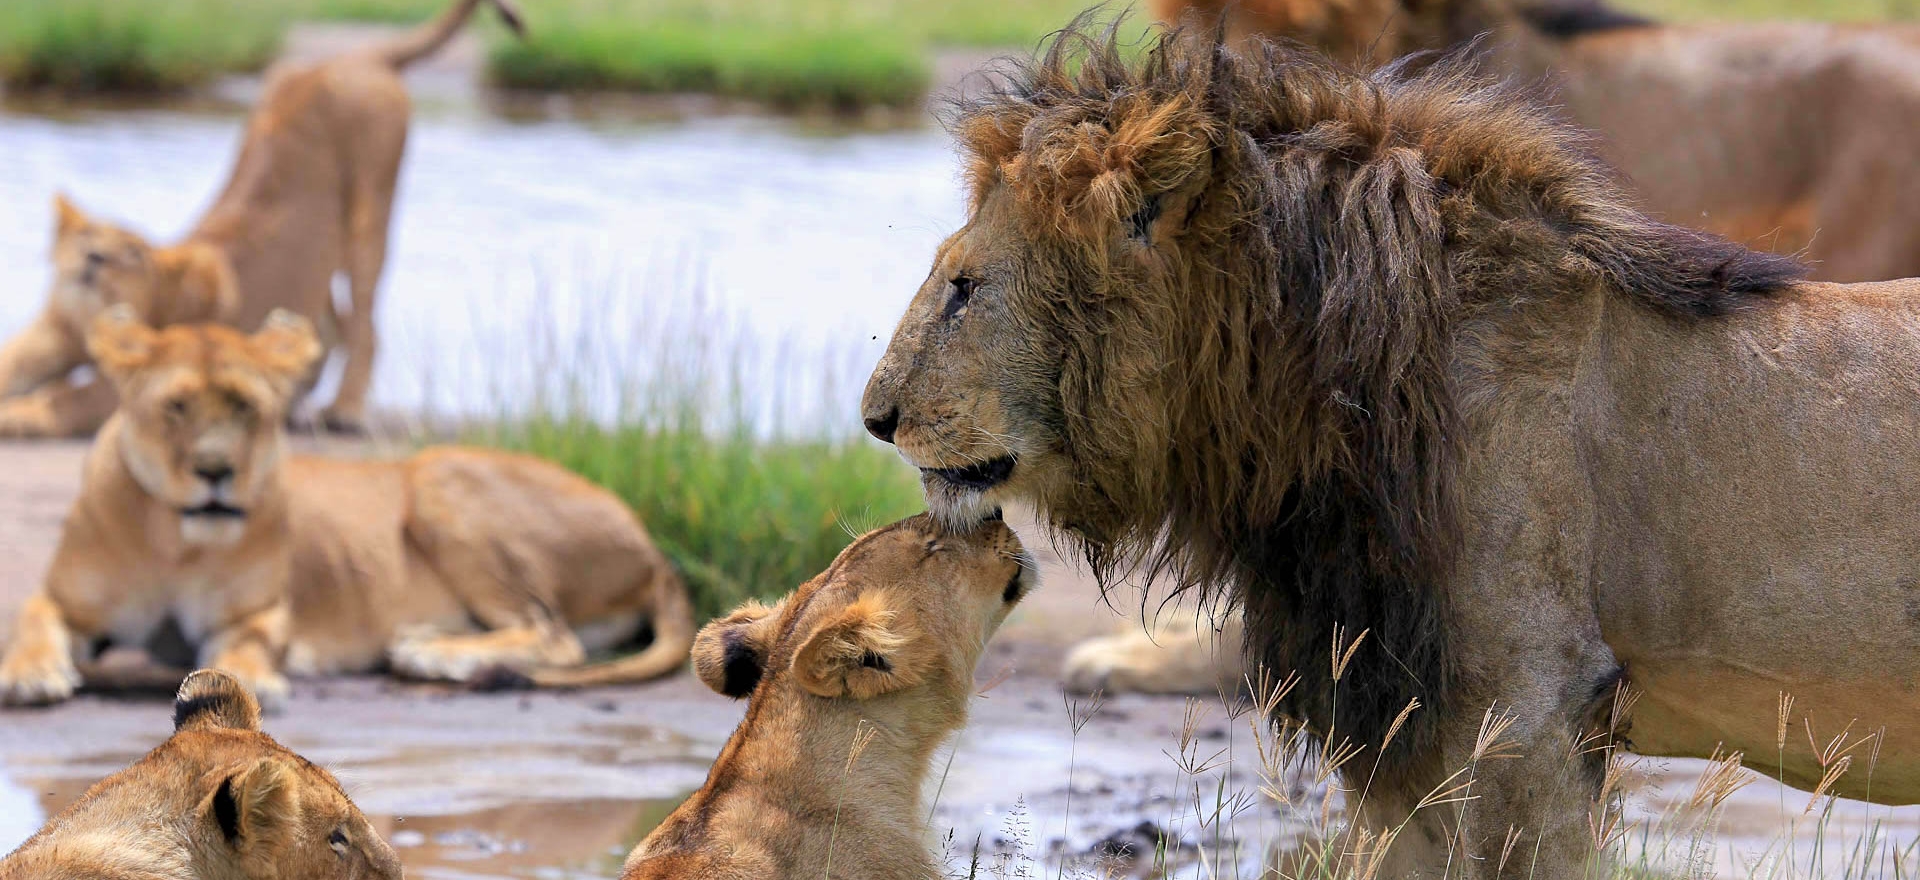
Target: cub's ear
(860, 653)
(203, 280)
(119, 342)
(211, 699)
(257, 810)
(67, 217)
(286, 342)
(730, 654)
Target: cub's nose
(214, 473)
(882, 427)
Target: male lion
(1794, 137)
(855, 681)
(219, 800)
(450, 564)
(309, 198)
(1389, 358)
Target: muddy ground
(561, 785)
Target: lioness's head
(98, 264)
(201, 409)
(905, 611)
(220, 799)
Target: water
(512, 238)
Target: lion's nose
(213, 472)
(883, 427)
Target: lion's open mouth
(214, 510)
(979, 476)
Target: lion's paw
(427, 659)
(272, 691)
(37, 681)
(1090, 666)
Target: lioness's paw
(271, 690)
(338, 421)
(427, 659)
(1089, 667)
(37, 681)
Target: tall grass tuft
(133, 45)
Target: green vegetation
(742, 515)
(133, 45)
(1826, 10)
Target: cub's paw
(27, 680)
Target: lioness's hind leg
(369, 210)
(59, 409)
(40, 353)
(541, 645)
(39, 667)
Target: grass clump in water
(133, 45)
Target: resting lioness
(309, 198)
(444, 565)
(219, 800)
(855, 680)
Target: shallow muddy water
(588, 242)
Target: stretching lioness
(309, 198)
(855, 680)
(444, 565)
(219, 800)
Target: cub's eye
(960, 291)
(338, 841)
(177, 408)
(239, 405)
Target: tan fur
(219, 800)
(310, 197)
(1181, 652)
(881, 648)
(1390, 355)
(1790, 137)
(450, 564)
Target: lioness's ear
(287, 343)
(119, 341)
(858, 653)
(211, 699)
(67, 217)
(257, 809)
(202, 279)
(730, 654)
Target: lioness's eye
(239, 405)
(961, 290)
(338, 840)
(177, 407)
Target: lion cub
(450, 564)
(872, 659)
(217, 800)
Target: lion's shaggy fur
(1355, 226)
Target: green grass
(742, 516)
(133, 45)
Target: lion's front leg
(250, 648)
(39, 667)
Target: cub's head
(218, 799)
(201, 409)
(904, 612)
(98, 264)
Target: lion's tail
(429, 37)
(672, 644)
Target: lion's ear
(67, 217)
(203, 282)
(119, 342)
(286, 343)
(730, 654)
(210, 699)
(1152, 167)
(257, 809)
(860, 652)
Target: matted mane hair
(1296, 433)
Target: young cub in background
(219, 800)
(872, 659)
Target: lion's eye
(177, 408)
(338, 841)
(960, 292)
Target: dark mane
(1344, 224)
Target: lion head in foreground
(218, 799)
(1203, 316)
(201, 410)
